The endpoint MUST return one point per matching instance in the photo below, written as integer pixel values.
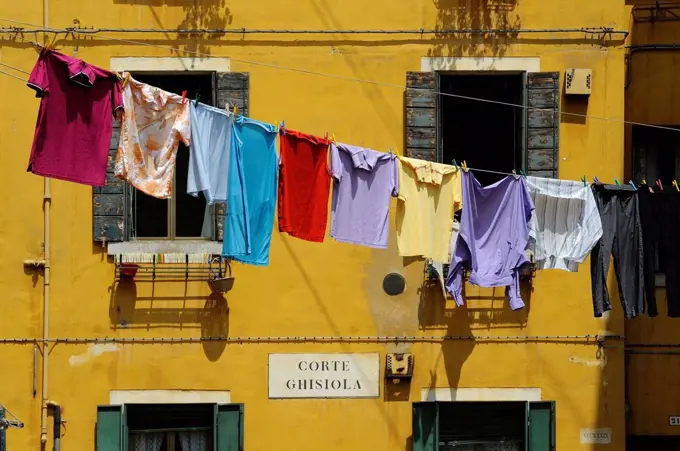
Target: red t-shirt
(75, 120)
(304, 184)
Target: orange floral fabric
(153, 124)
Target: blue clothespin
(632, 184)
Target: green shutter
(111, 429)
(228, 431)
(425, 426)
(3, 438)
(108, 202)
(232, 88)
(543, 124)
(421, 115)
(541, 426)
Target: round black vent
(394, 284)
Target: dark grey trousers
(622, 238)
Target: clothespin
(455, 163)
(632, 184)
(198, 96)
(514, 173)
(465, 168)
(596, 180)
(659, 184)
(390, 151)
(126, 79)
(524, 174)
(617, 182)
(283, 127)
(184, 96)
(644, 182)
(583, 179)
(226, 107)
(333, 138)
(235, 111)
(675, 184)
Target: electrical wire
(341, 77)
(15, 68)
(13, 76)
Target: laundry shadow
(475, 15)
(574, 109)
(209, 313)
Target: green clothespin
(617, 182)
(524, 174)
(455, 163)
(584, 181)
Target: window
(121, 213)
(170, 427)
(494, 136)
(484, 426)
(656, 155)
(465, 123)
(184, 214)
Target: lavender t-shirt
(494, 231)
(363, 180)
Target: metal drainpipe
(57, 423)
(47, 200)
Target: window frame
(426, 425)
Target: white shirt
(565, 225)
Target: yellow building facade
(149, 342)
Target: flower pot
(128, 270)
(221, 285)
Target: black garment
(660, 218)
(622, 237)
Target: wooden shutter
(421, 115)
(111, 429)
(232, 88)
(543, 125)
(541, 426)
(228, 427)
(425, 426)
(108, 202)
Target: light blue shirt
(209, 156)
(251, 199)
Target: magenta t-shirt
(75, 120)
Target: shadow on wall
(212, 14)
(475, 15)
(209, 313)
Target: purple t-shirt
(494, 231)
(364, 180)
(75, 120)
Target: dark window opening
(171, 427)
(472, 426)
(486, 135)
(183, 215)
(656, 155)
(652, 443)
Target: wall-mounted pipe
(633, 49)
(56, 415)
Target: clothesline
(339, 77)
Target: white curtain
(146, 441)
(194, 440)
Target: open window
(170, 427)
(517, 127)
(121, 213)
(484, 426)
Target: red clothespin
(184, 96)
(658, 183)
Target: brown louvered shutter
(543, 124)
(421, 116)
(232, 88)
(108, 202)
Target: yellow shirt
(429, 194)
(153, 124)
